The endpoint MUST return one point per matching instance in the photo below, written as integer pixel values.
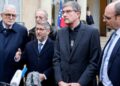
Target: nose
(11, 16)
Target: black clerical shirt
(72, 35)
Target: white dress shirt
(104, 76)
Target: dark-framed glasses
(40, 17)
(67, 11)
(10, 15)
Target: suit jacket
(9, 44)
(41, 62)
(114, 64)
(79, 65)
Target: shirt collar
(5, 25)
(43, 42)
(118, 32)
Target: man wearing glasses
(109, 69)
(77, 50)
(12, 37)
(41, 16)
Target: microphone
(24, 70)
(16, 78)
(19, 74)
(33, 79)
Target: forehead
(67, 8)
(40, 13)
(10, 10)
(109, 10)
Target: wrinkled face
(69, 15)
(109, 18)
(41, 32)
(40, 17)
(9, 16)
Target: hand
(61, 83)
(42, 76)
(18, 55)
(75, 84)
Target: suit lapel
(35, 47)
(45, 47)
(65, 42)
(112, 57)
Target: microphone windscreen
(16, 78)
(33, 78)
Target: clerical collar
(76, 28)
(6, 26)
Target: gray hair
(44, 11)
(74, 5)
(45, 24)
(117, 8)
(8, 6)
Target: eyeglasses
(40, 29)
(10, 15)
(68, 11)
(40, 17)
(106, 17)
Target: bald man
(110, 58)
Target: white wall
(83, 4)
(47, 5)
(28, 12)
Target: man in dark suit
(12, 37)
(40, 60)
(110, 58)
(77, 50)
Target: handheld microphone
(19, 74)
(16, 78)
(24, 70)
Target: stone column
(83, 4)
(47, 5)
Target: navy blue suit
(9, 44)
(114, 64)
(41, 62)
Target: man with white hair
(12, 37)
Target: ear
(1, 14)
(48, 31)
(79, 14)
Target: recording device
(33, 79)
(19, 74)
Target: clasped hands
(61, 83)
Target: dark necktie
(39, 47)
